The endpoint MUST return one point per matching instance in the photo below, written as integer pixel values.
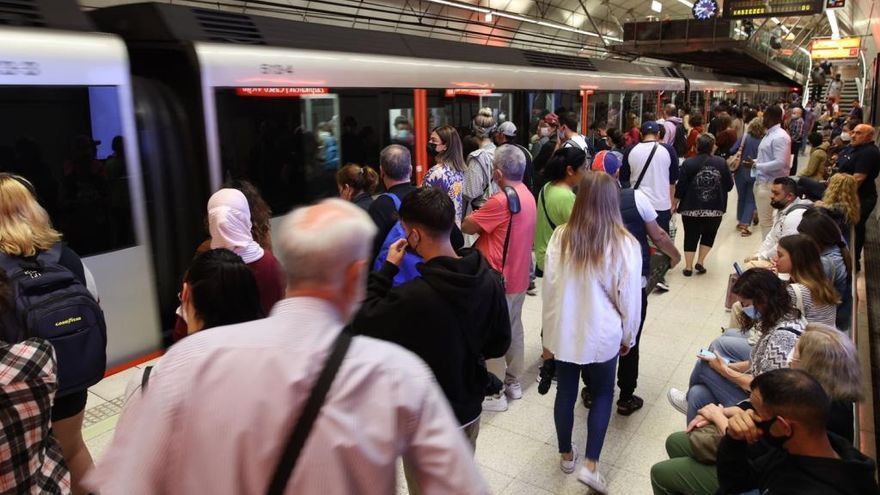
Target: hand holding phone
(706, 354)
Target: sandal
(745, 232)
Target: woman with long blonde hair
(591, 313)
(842, 195)
(25, 232)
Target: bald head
(670, 111)
(320, 242)
(862, 134)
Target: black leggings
(699, 231)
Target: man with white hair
(228, 410)
(506, 226)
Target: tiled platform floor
(516, 450)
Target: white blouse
(581, 324)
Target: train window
(68, 142)
(570, 101)
(540, 103)
(290, 142)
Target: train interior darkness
(68, 142)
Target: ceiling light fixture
(656, 6)
(689, 5)
(488, 17)
(832, 21)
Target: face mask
(779, 205)
(845, 137)
(432, 149)
(402, 134)
(544, 131)
(772, 440)
(751, 312)
(409, 244)
(560, 134)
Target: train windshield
(67, 141)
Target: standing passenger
(591, 313)
(744, 177)
(448, 172)
(506, 225)
(395, 169)
(478, 186)
(357, 183)
(773, 161)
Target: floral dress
(449, 180)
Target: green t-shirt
(559, 201)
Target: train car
(69, 127)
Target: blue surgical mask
(403, 134)
(751, 312)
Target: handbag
(733, 162)
(704, 442)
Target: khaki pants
(471, 431)
(762, 203)
(510, 368)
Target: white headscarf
(229, 220)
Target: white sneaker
(567, 467)
(496, 403)
(513, 390)
(678, 399)
(593, 479)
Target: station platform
(516, 449)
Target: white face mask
(544, 131)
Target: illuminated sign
(827, 48)
(835, 4)
(740, 9)
(452, 93)
(281, 92)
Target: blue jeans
(708, 387)
(601, 388)
(733, 345)
(745, 195)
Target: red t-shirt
(493, 218)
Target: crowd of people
(384, 324)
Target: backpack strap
(394, 198)
(307, 418)
(647, 164)
(544, 205)
(145, 379)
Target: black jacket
(453, 317)
(773, 471)
(703, 184)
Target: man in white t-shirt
(658, 181)
(568, 135)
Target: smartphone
(739, 270)
(705, 353)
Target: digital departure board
(740, 9)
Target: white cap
(507, 128)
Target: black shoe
(586, 397)
(532, 290)
(545, 376)
(625, 407)
(687, 273)
(700, 268)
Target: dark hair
(261, 214)
(794, 394)
(774, 113)
(705, 143)
(616, 137)
(825, 232)
(807, 269)
(749, 114)
(429, 208)
(815, 139)
(769, 295)
(224, 290)
(696, 120)
(788, 184)
(358, 177)
(570, 120)
(452, 156)
(561, 160)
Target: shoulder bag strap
(506, 243)
(647, 163)
(544, 205)
(303, 427)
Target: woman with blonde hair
(448, 171)
(477, 185)
(25, 232)
(743, 178)
(591, 313)
(830, 357)
(842, 196)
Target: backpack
(410, 260)
(680, 142)
(52, 304)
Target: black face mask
(773, 441)
(779, 205)
(432, 149)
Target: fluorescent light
(777, 21)
(461, 6)
(515, 17)
(656, 6)
(832, 21)
(488, 17)
(685, 2)
(804, 50)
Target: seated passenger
(842, 199)
(836, 261)
(458, 302)
(357, 183)
(789, 209)
(783, 446)
(812, 292)
(823, 352)
(222, 405)
(768, 308)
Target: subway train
(156, 105)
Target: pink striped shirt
(221, 403)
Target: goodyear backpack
(410, 260)
(52, 304)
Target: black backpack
(680, 143)
(52, 304)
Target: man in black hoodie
(782, 447)
(454, 316)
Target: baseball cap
(551, 118)
(507, 128)
(650, 127)
(605, 161)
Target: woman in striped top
(814, 295)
